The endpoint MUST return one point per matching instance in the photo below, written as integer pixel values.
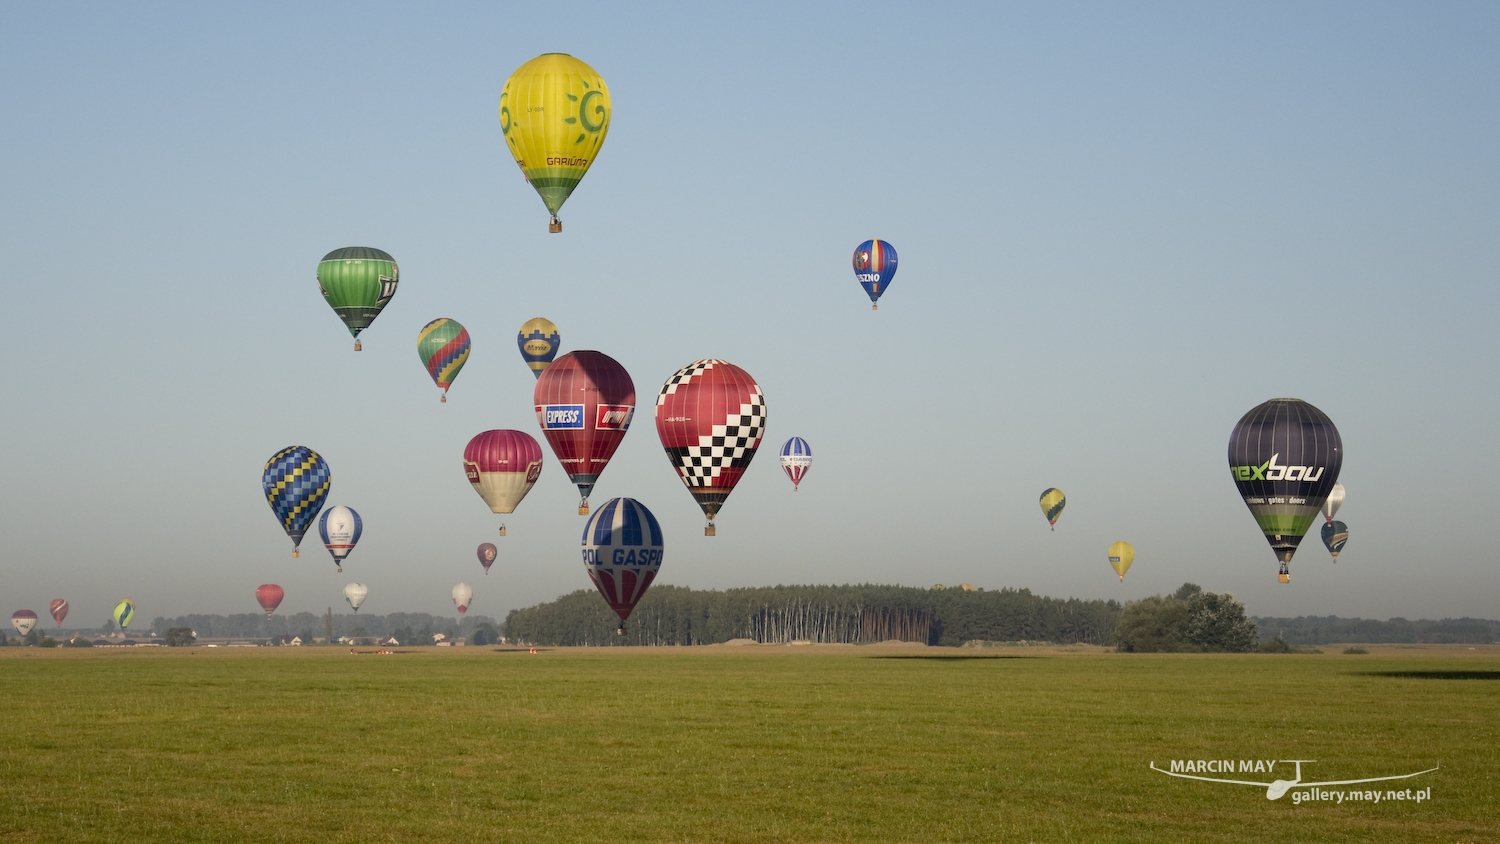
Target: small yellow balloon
(1053, 501)
(554, 112)
(1121, 555)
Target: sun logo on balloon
(588, 110)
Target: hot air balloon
(1121, 555)
(124, 613)
(875, 266)
(487, 553)
(554, 113)
(1334, 501)
(269, 595)
(710, 416)
(1335, 534)
(357, 282)
(622, 547)
(584, 403)
(539, 342)
(1053, 501)
(355, 594)
(340, 527)
(796, 459)
(23, 621)
(1285, 457)
(296, 482)
(502, 466)
(59, 610)
(443, 346)
(462, 596)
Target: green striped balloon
(357, 282)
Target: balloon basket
(443, 400)
(341, 569)
(502, 533)
(583, 507)
(710, 530)
(874, 307)
(357, 346)
(620, 631)
(294, 553)
(554, 226)
(1284, 576)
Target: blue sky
(1120, 228)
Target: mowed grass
(732, 744)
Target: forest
(677, 615)
(1327, 630)
(413, 628)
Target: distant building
(296, 642)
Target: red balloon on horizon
(59, 610)
(269, 595)
(584, 403)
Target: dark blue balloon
(1335, 534)
(874, 267)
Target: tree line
(678, 615)
(409, 628)
(1327, 630)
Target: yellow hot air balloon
(1121, 555)
(555, 113)
(1053, 501)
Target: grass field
(769, 744)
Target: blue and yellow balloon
(539, 341)
(296, 481)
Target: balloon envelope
(269, 596)
(554, 114)
(1334, 501)
(710, 416)
(1121, 555)
(796, 459)
(357, 282)
(874, 267)
(622, 548)
(462, 596)
(1285, 457)
(584, 403)
(124, 613)
(23, 621)
(502, 466)
(443, 346)
(1335, 534)
(340, 528)
(539, 342)
(296, 481)
(355, 594)
(487, 553)
(1053, 501)
(59, 609)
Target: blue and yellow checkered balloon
(296, 481)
